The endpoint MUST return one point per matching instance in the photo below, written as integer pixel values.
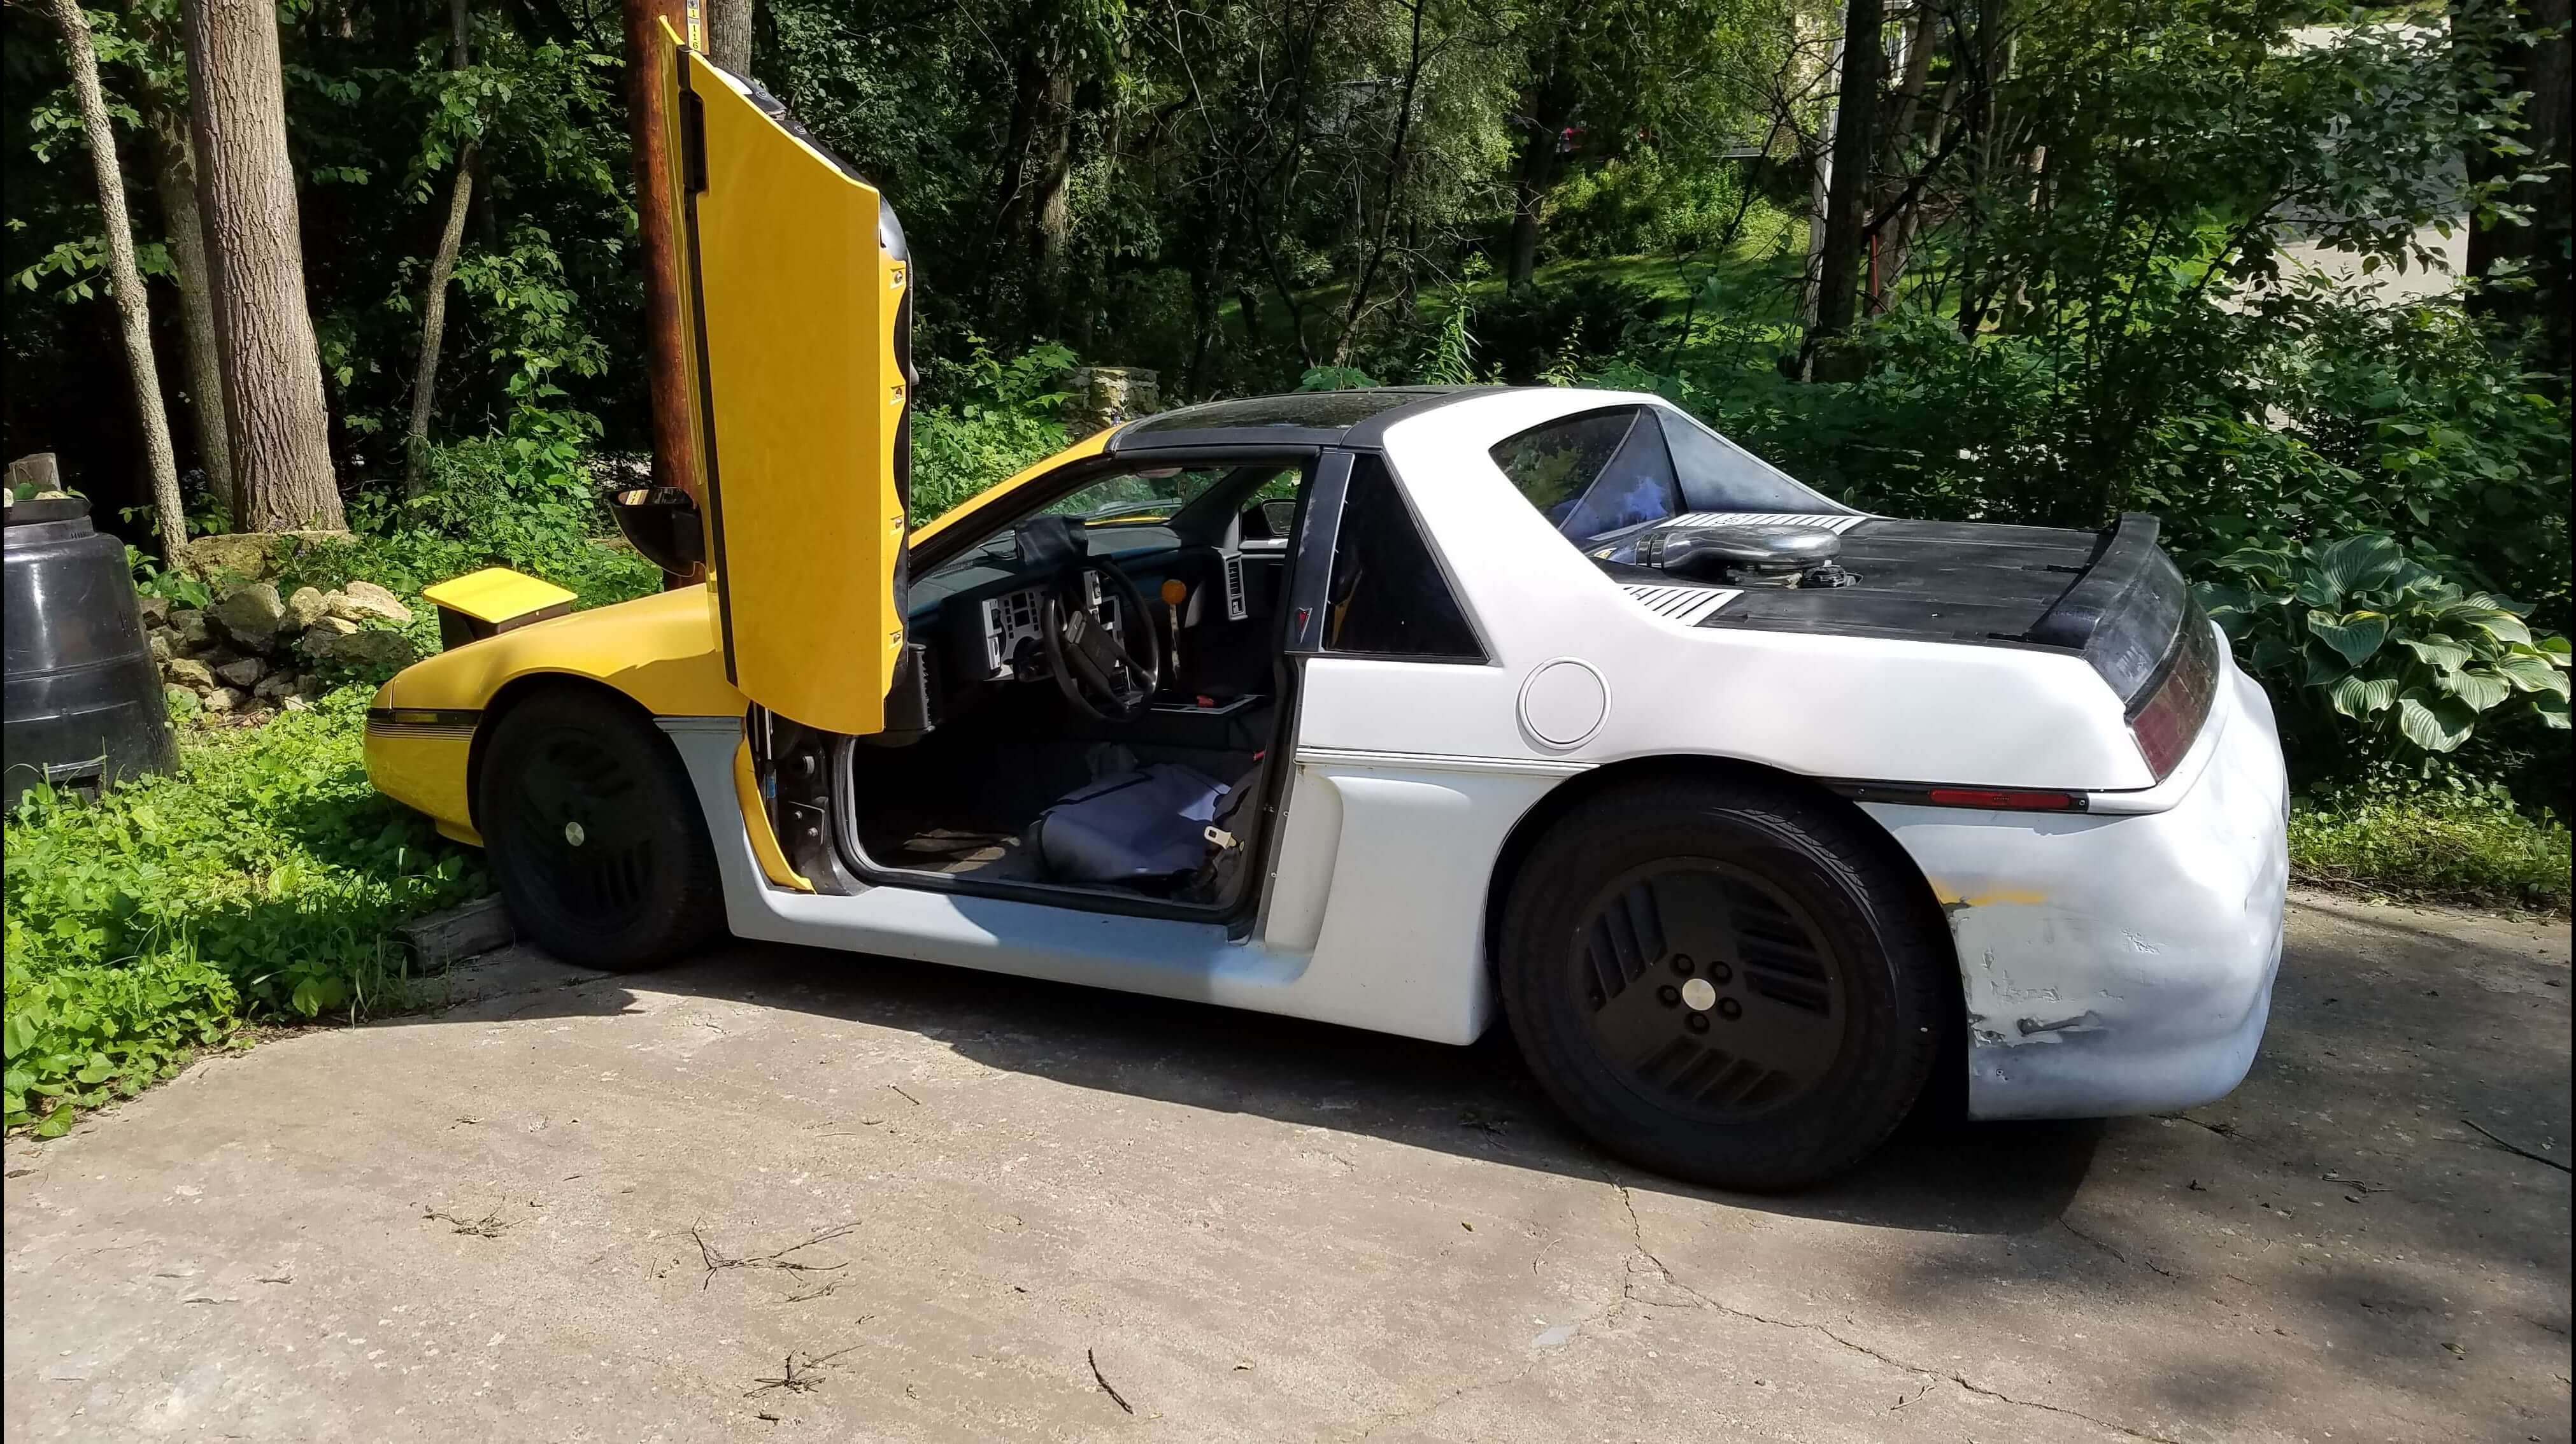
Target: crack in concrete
(2149, 1265)
(1637, 1232)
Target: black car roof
(1297, 418)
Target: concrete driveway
(787, 1195)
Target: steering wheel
(1100, 672)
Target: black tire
(1789, 1045)
(595, 835)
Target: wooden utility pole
(648, 62)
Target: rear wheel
(595, 834)
(1729, 983)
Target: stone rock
(252, 556)
(309, 686)
(274, 686)
(189, 626)
(362, 600)
(244, 673)
(298, 704)
(250, 615)
(305, 608)
(182, 701)
(226, 699)
(323, 635)
(159, 642)
(156, 610)
(188, 672)
(373, 649)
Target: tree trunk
(1551, 107)
(1855, 156)
(2540, 247)
(1051, 223)
(729, 34)
(125, 283)
(1887, 261)
(274, 412)
(174, 168)
(1820, 190)
(442, 264)
(433, 325)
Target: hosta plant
(2356, 637)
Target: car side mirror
(662, 523)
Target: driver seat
(1134, 825)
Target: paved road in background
(780, 1194)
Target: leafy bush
(2451, 844)
(1648, 203)
(264, 878)
(2364, 645)
(990, 419)
(1544, 332)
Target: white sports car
(1397, 709)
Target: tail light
(2168, 714)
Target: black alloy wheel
(1734, 982)
(1710, 992)
(595, 835)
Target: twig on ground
(716, 1262)
(789, 1378)
(489, 1225)
(908, 1098)
(1096, 1377)
(2515, 1148)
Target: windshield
(1611, 471)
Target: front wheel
(595, 834)
(1729, 983)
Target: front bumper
(2118, 964)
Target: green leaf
(2438, 652)
(2360, 563)
(2357, 697)
(2532, 672)
(2480, 688)
(2354, 637)
(2432, 721)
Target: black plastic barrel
(84, 705)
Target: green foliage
(263, 879)
(2371, 648)
(986, 420)
(2454, 844)
(1539, 333)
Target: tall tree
(442, 264)
(1855, 165)
(2539, 185)
(162, 67)
(273, 405)
(125, 281)
(728, 25)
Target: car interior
(1104, 678)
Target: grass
(2436, 847)
(262, 882)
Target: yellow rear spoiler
(492, 601)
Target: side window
(1386, 594)
(1594, 474)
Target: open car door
(797, 320)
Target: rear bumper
(2117, 964)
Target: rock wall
(252, 652)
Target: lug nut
(1721, 972)
(1672, 996)
(1682, 964)
(1729, 1009)
(1698, 1022)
